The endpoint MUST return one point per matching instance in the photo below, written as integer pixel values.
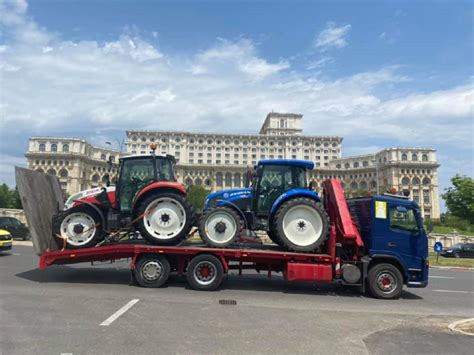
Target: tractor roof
(148, 156)
(291, 162)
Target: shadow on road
(247, 282)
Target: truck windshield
(404, 220)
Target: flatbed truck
(375, 243)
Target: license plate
(9, 244)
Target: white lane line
(117, 314)
(452, 291)
(441, 277)
(16, 254)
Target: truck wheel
(205, 272)
(219, 227)
(301, 225)
(81, 227)
(167, 218)
(457, 256)
(385, 281)
(152, 271)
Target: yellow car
(6, 240)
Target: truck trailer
(376, 244)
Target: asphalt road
(60, 311)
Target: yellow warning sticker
(381, 209)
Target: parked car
(461, 250)
(6, 240)
(17, 229)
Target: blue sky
(380, 74)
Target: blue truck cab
(392, 230)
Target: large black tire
(219, 227)
(385, 281)
(147, 225)
(273, 236)
(73, 227)
(205, 272)
(152, 270)
(303, 226)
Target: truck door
(403, 237)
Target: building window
(356, 165)
(414, 157)
(424, 157)
(404, 157)
(346, 165)
(405, 181)
(416, 181)
(54, 148)
(103, 157)
(426, 196)
(65, 148)
(426, 181)
(416, 196)
(365, 164)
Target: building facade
(78, 164)
(219, 161)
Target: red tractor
(147, 198)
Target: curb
(453, 326)
(459, 268)
(27, 243)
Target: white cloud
(332, 36)
(319, 63)
(241, 55)
(129, 83)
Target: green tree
(16, 200)
(460, 198)
(6, 198)
(197, 195)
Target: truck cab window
(403, 218)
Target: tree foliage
(460, 198)
(197, 195)
(9, 198)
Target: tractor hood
(231, 195)
(86, 194)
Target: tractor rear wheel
(166, 219)
(220, 227)
(301, 225)
(80, 226)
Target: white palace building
(219, 161)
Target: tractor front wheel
(301, 225)
(166, 218)
(220, 227)
(80, 227)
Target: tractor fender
(291, 194)
(164, 186)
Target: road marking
(121, 311)
(452, 291)
(16, 254)
(453, 326)
(441, 277)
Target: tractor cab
(275, 177)
(139, 171)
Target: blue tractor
(278, 201)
